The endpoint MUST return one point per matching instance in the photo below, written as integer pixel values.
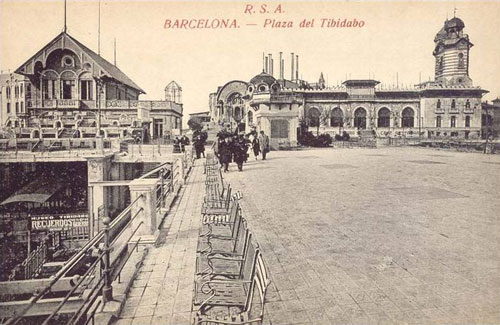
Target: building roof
(361, 83)
(200, 113)
(263, 78)
(111, 70)
(455, 22)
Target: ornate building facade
(449, 106)
(67, 90)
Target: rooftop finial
(65, 28)
(455, 12)
(99, 30)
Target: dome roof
(263, 78)
(441, 34)
(454, 23)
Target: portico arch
(383, 118)
(360, 118)
(408, 117)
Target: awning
(38, 191)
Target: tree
(194, 124)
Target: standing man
(264, 144)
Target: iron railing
(98, 277)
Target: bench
(54, 146)
(227, 263)
(220, 227)
(217, 202)
(227, 295)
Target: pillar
(146, 190)
(97, 171)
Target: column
(146, 190)
(97, 171)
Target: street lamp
(99, 83)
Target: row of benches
(231, 277)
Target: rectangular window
(438, 121)
(86, 90)
(453, 122)
(45, 89)
(22, 107)
(67, 89)
(8, 108)
(17, 107)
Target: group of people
(230, 147)
(180, 144)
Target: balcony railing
(439, 110)
(108, 104)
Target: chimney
(297, 67)
(292, 65)
(263, 62)
(267, 65)
(281, 65)
(270, 64)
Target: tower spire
(115, 52)
(99, 30)
(65, 27)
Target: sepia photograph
(249, 162)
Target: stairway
(66, 133)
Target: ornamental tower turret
(451, 51)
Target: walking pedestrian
(225, 152)
(263, 144)
(254, 144)
(240, 149)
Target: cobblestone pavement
(162, 291)
(377, 236)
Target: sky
(397, 39)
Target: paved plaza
(376, 236)
(162, 291)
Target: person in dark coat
(199, 144)
(240, 149)
(225, 152)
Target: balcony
(105, 104)
(267, 98)
(147, 104)
(54, 103)
(439, 110)
(454, 110)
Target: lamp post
(99, 83)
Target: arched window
(408, 118)
(237, 113)
(438, 104)
(467, 121)
(17, 107)
(467, 104)
(360, 118)
(22, 90)
(313, 116)
(16, 91)
(384, 118)
(453, 104)
(337, 117)
(49, 80)
(86, 87)
(453, 121)
(7, 92)
(441, 64)
(68, 85)
(250, 117)
(460, 60)
(438, 121)
(22, 107)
